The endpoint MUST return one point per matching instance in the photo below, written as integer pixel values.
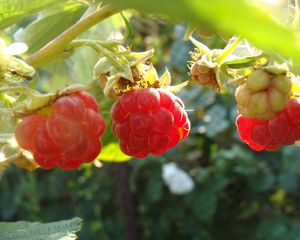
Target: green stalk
(57, 45)
(228, 50)
(10, 159)
(15, 89)
(98, 48)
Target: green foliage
(238, 194)
(112, 153)
(14, 10)
(61, 230)
(215, 120)
(50, 23)
(229, 17)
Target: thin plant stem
(98, 48)
(57, 45)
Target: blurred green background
(237, 194)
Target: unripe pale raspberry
(258, 80)
(283, 129)
(282, 83)
(263, 94)
(68, 136)
(259, 102)
(243, 95)
(148, 121)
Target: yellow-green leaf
(38, 231)
(112, 153)
(14, 10)
(229, 17)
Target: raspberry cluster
(263, 94)
(204, 75)
(65, 135)
(284, 128)
(149, 120)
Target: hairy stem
(57, 45)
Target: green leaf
(61, 230)
(216, 121)
(229, 17)
(288, 181)
(262, 180)
(217, 183)
(203, 204)
(154, 188)
(112, 153)
(50, 24)
(128, 33)
(58, 77)
(243, 53)
(14, 10)
(273, 229)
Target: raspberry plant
(65, 128)
(264, 87)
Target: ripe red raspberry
(68, 136)
(284, 128)
(148, 121)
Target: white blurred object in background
(177, 180)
